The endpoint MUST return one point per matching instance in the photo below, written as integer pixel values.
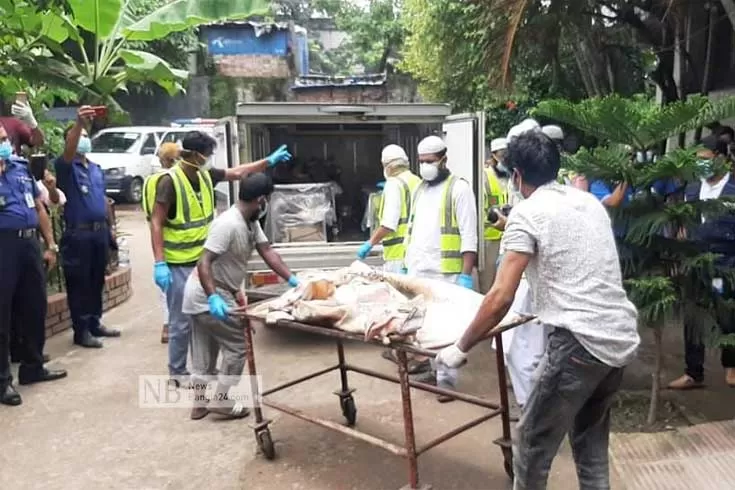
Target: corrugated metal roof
(694, 458)
(311, 81)
(259, 27)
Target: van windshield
(114, 142)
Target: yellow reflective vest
(183, 236)
(495, 196)
(393, 243)
(450, 240)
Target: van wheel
(134, 193)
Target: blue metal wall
(302, 52)
(242, 40)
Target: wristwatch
(54, 248)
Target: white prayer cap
(524, 127)
(554, 132)
(498, 144)
(391, 153)
(430, 145)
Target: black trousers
(22, 303)
(694, 348)
(84, 259)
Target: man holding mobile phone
(86, 240)
(22, 128)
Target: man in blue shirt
(23, 288)
(87, 233)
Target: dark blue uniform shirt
(84, 186)
(18, 193)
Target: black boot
(87, 340)
(8, 396)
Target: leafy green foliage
(83, 45)
(667, 270)
(375, 35)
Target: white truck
(351, 136)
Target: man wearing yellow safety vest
(182, 204)
(168, 155)
(394, 209)
(496, 196)
(442, 231)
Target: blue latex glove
(465, 280)
(293, 281)
(218, 307)
(278, 156)
(162, 275)
(364, 250)
(380, 185)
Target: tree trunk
(704, 90)
(656, 375)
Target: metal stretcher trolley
(409, 450)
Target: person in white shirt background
(431, 252)
(714, 236)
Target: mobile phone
(21, 97)
(100, 110)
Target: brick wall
(252, 66)
(117, 290)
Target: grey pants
(209, 336)
(179, 330)
(573, 396)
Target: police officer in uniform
(23, 286)
(87, 233)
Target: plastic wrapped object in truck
(301, 212)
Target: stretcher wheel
(508, 463)
(349, 410)
(265, 443)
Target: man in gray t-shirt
(213, 293)
(562, 238)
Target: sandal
(237, 411)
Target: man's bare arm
(37, 138)
(469, 259)
(379, 234)
(47, 231)
(204, 269)
(158, 219)
(273, 260)
(232, 174)
(497, 301)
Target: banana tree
(90, 43)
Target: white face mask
(428, 171)
(515, 188)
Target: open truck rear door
(262, 126)
(465, 138)
(226, 155)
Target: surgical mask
(516, 188)
(263, 210)
(84, 146)
(706, 168)
(6, 149)
(260, 213)
(428, 171)
(501, 167)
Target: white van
(125, 155)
